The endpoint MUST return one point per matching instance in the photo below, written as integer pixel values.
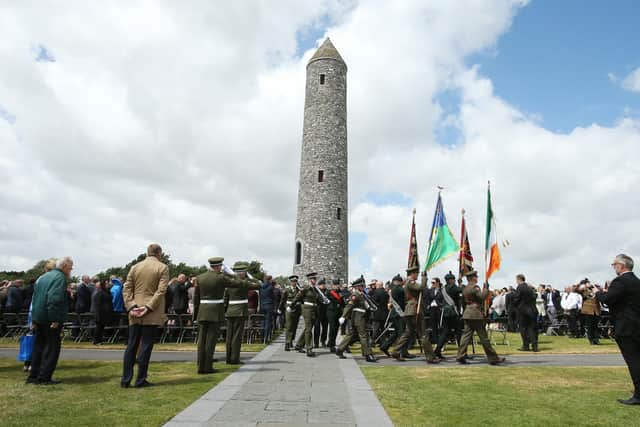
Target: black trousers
(572, 323)
(140, 337)
(630, 349)
(98, 333)
(591, 327)
(334, 325)
(267, 323)
(320, 330)
(398, 328)
(451, 327)
(46, 351)
(528, 324)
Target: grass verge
(90, 394)
(496, 396)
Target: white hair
(626, 260)
(64, 261)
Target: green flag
(442, 244)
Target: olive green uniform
(292, 313)
(308, 298)
(474, 321)
(356, 311)
(413, 321)
(236, 314)
(208, 309)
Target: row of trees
(255, 268)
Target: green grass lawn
(547, 344)
(493, 396)
(91, 395)
(11, 343)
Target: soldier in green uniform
(452, 294)
(396, 299)
(356, 311)
(334, 311)
(309, 299)
(208, 310)
(238, 311)
(414, 319)
(475, 321)
(292, 312)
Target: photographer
(590, 312)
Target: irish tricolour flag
(491, 253)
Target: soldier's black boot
(299, 349)
(310, 353)
(370, 358)
(332, 349)
(340, 354)
(287, 347)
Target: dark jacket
(524, 300)
(83, 299)
(14, 299)
(102, 306)
(178, 297)
(267, 297)
(623, 299)
(50, 299)
(381, 298)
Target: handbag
(26, 347)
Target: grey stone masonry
(279, 388)
(322, 241)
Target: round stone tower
(322, 235)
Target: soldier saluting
(308, 297)
(474, 321)
(208, 310)
(356, 311)
(292, 312)
(238, 311)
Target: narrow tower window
(320, 176)
(321, 79)
(298, 253)
(338, 213)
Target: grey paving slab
(278, 388)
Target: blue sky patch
(43, 54)
(6, 115)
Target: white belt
(309, 303)
(289, 302)
(211, 301)
(361, 310)
(240, 301)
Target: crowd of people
(393, 316)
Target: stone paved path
(278, 388)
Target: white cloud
(632, 81)
(183, 126)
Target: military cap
(449, 276)
(322, 281)
(335, 281)
(358, 282)
(472, 273)
(397, 278)
(312, 275)
(413, 269)
(240, 267)
(216, 260)
(293, 278)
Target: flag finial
(414, 211)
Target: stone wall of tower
(322, 234)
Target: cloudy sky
(123, 123)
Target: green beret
(216, 260)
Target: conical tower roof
(327, 51)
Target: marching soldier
(396, 298)
(238, 311)
(413, 319)
(322, 322)
(356, 311)
(474, 321)
(208, 309)
(292, 312)
(308, 297)
(334, 311)
(452, 294)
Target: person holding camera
(590, 312)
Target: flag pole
(440, 188)
(487, 237)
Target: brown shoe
(398, 356)
(498, 361)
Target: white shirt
(572, 301)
